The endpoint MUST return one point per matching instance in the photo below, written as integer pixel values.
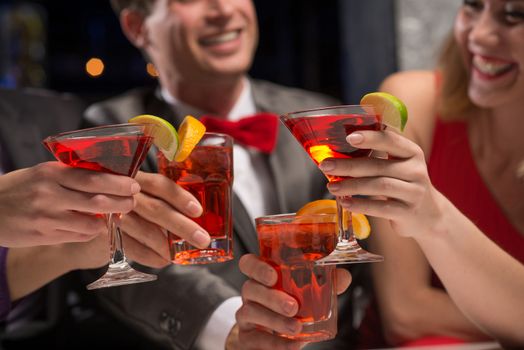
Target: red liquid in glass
(206, 173)
(292, 248)
(325, 136)
(120, 155)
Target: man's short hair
(143, 6)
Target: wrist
(439, 220)
(28, 269)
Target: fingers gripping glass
(115, 149)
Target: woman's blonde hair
(452, 100)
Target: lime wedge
(190, 131)
(164, 135)
(393, 110)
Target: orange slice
(321, 206)
(190, 132)
(361, 227)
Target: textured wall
(421, 27)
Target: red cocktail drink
(208, 174)
(325, 137)
(109, 154)
(292, 244)
(116, 149)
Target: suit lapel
(246, 236)
(289, 164)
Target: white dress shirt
(253, 184)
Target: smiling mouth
(492, 67)
(221, 38)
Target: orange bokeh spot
(95, 67)
(151, 70)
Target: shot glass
(208, 174)
(291, 244)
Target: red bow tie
(258, 131)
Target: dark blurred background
(340, 47)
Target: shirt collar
(244, 106)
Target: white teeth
(489, 67)
(221, 38)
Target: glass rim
(95, 128)
(283, 218)
(220, 134)
(303, 112)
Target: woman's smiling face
(490, 34)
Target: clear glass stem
(119, 272)
(345, 227)
(347, 250)
(118, 255)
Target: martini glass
(322, 133)
(115, 149)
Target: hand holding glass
(115, 149)
(208, 175)
(322, 133)
(292, 244)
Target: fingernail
(200, 239)
(333, 187)
(327, 165)
(135, 188)
(193, 209)
(355, 138)
(289, 307)
(293, 326)
(269, 277)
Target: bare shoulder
(418, 91)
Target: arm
(43, 206)
(28, 269)
(411, 207)
(410, 306)
(497, 305)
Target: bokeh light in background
(151, 70)
(23, 45)
(95, 67)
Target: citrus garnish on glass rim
(174, 145)
(190, 132)
(393, 111)
(361, 227)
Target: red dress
(453, 172)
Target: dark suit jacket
(64, 314)
(27, 117)
(170, 312)
(175, 310)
